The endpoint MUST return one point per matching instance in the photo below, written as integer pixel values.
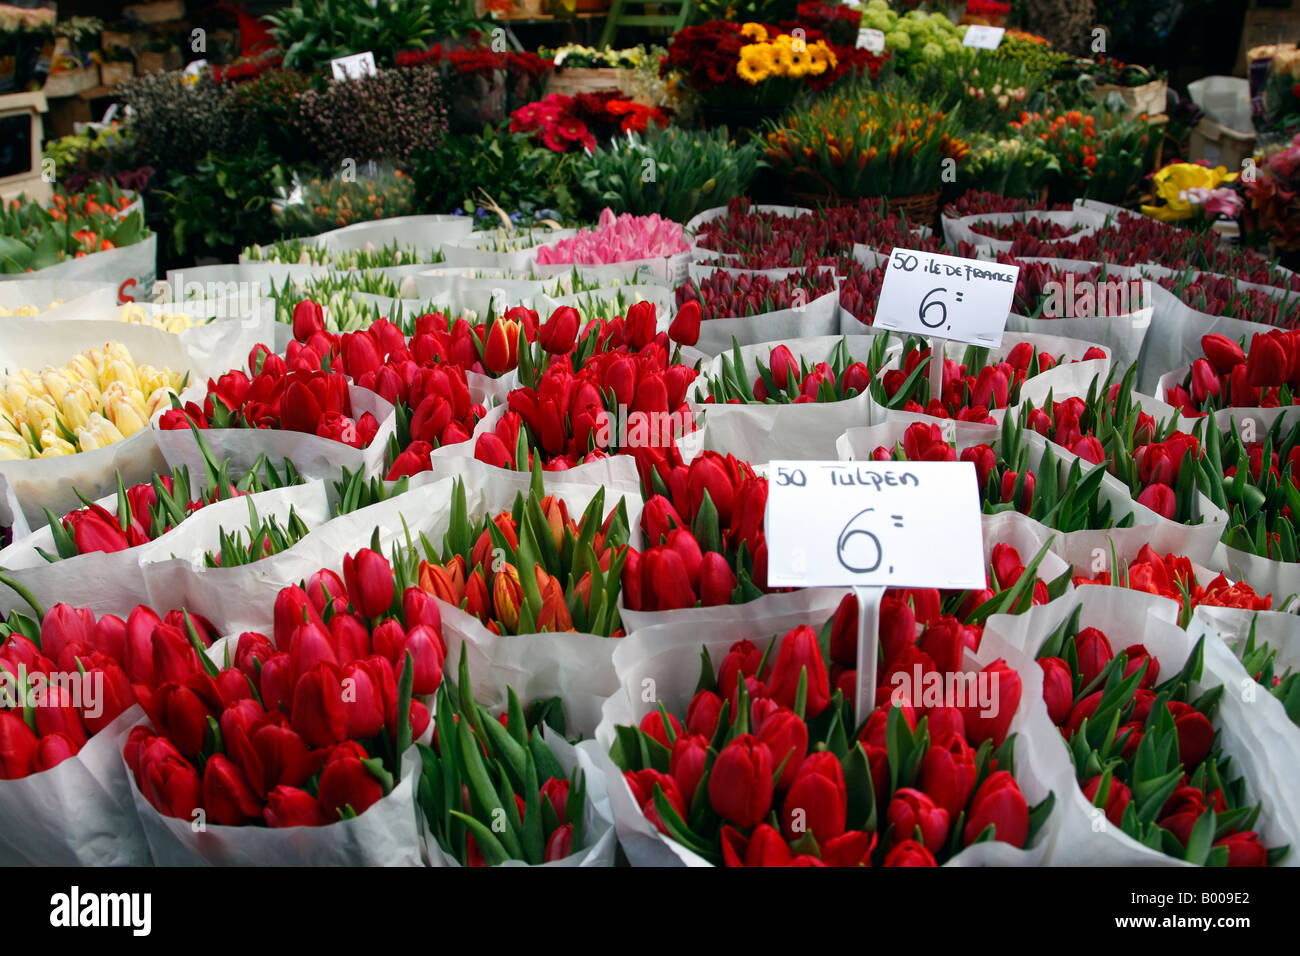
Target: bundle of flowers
(1102, 154)
(100, 397)
(117, 661)
(783, 380)
(838, 21)
(898, 150)
(972, 387)
(754, 239)
(308, 729)
(1258, 483)
(147, 511)
(1148, 754)
(562, 122)
(1033, 226)
(1224, 295)
(1135, 240)
(1270, 211)
(518, 802)
(703, 526)
(273, 396)
(531, 569)
(1173, 576)
(769, 767)
(1158, 462)
(617, 239)
(1047, 291)
(34, 236)
(976, 202)
(1193, 193)
(1068, 501)
(1226, 376)
(860, 290)
(724, 295)
(616, 391)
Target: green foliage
(224, 203)
(675, 173)
(498, 164)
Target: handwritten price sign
(353, 67)
(946, 297)
(888, 523)
(984, 38)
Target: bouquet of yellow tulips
(99, 397)
(175, 322)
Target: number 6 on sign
(891, 523)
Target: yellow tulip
(98, 433)
(128, 415)
(55, 383)
(134, 314)
(28, 310)
(39, 413)
(159, 398)
(52, 446)
(86, 365)
(14, 447)
(77, 407)
(118, 370)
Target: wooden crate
(570, 81)
(165, 62)
(114, 74)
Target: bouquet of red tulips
(768, 766)
(1147, 753)
(703, 526)
(304, 731)
(69, 683)
(723, 295)
(1227, 376)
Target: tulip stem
(25, 594)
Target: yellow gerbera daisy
(755, 63)
(781, 59)
(754, 31)
(800, 64)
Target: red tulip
(799, 652)
(817, 800)
(369, 579)
(992, 724)
(560, 845)
(911, 809)
(652, 724)
(685, 327)
(1159, 498)
(18, 746)
(291, 807)
(227, 797)
(1058, 688)
(948, 774)
(740, 786)
(1195, 734)
(318, 711)
(308, 319)
(1244, 849)
(999, 802)
(1267, 363)
(703, 713)
(689, 754)
(909, 853)
(1094, 653)
(786, 737)
(347, 782)
(1222, 352)
(1118, 797)
(169, 782)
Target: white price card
(353, 67)
(873, 41)
(946, 297)
(984, 38)
(888, 523)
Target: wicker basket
(1148, 98)
(571, 81)
(71, 82)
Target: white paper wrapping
(386, 834)
(1259, 749)
(78, 813)
(74, 296)
(821, 316)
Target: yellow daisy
(755, 63)
(754, 31)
